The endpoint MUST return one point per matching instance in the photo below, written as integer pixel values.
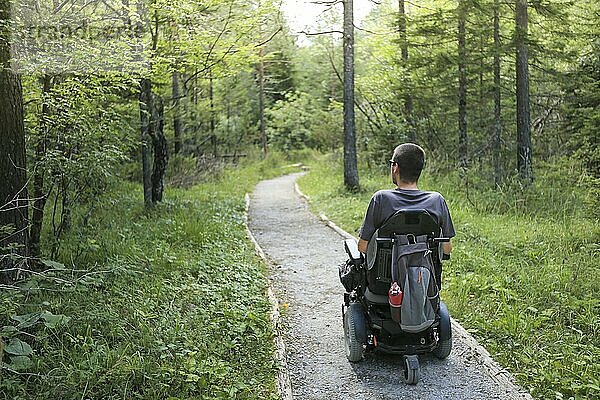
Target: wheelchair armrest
(351, 247)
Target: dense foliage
(582, 119)
(166, 304)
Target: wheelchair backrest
(419, 223)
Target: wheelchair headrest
(415, 222)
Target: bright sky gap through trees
(303, 15)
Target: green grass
(169, 303)
(524, 276)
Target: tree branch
(321, 33)
(270, 38)
(372, 32)
(329, 3)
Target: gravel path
(304, 255)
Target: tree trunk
(39, 194)
(522, 80)
(350, 161)
(408, 100)
(177, 126)
(261, 101)
(13, 173)
(481, 123)
(462, 87)
(213, 135)
(65, 210)
(160, 148)
(497, 104)
(193, 109)
(61, 215)
(146, 134)
(186, 109)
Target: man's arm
(372, 218)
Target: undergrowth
(167, 303)
(524, 274)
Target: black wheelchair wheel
(443, 349)
(444, 346)
(355, 332)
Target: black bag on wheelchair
(352, 272)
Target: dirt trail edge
(303, 254)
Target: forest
(131, 130)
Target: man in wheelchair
(392, 299)
(406, 165)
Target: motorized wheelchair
(403, 262)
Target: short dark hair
(411, 160)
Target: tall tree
(350, 160)
(146, 135)
(211, 118)
(39, 194)
(160, 149)
(261, 101)
(408, 100)
(522, 93)
(497, 131)
(177, 121)
(152, 124)
(462, 86)
(13, 189)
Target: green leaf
(8, 331)
(17, 347)
(53, 264)
(192, 378)
(20, 362)
(53, 321)
(26, 320)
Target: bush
(298, 122)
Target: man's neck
(407, 186)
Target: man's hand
(362, 245)
(446, 247)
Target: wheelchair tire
(355, 332)
(444, 346)
(443, 349)
(411, 370)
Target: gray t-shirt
(385, 203)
